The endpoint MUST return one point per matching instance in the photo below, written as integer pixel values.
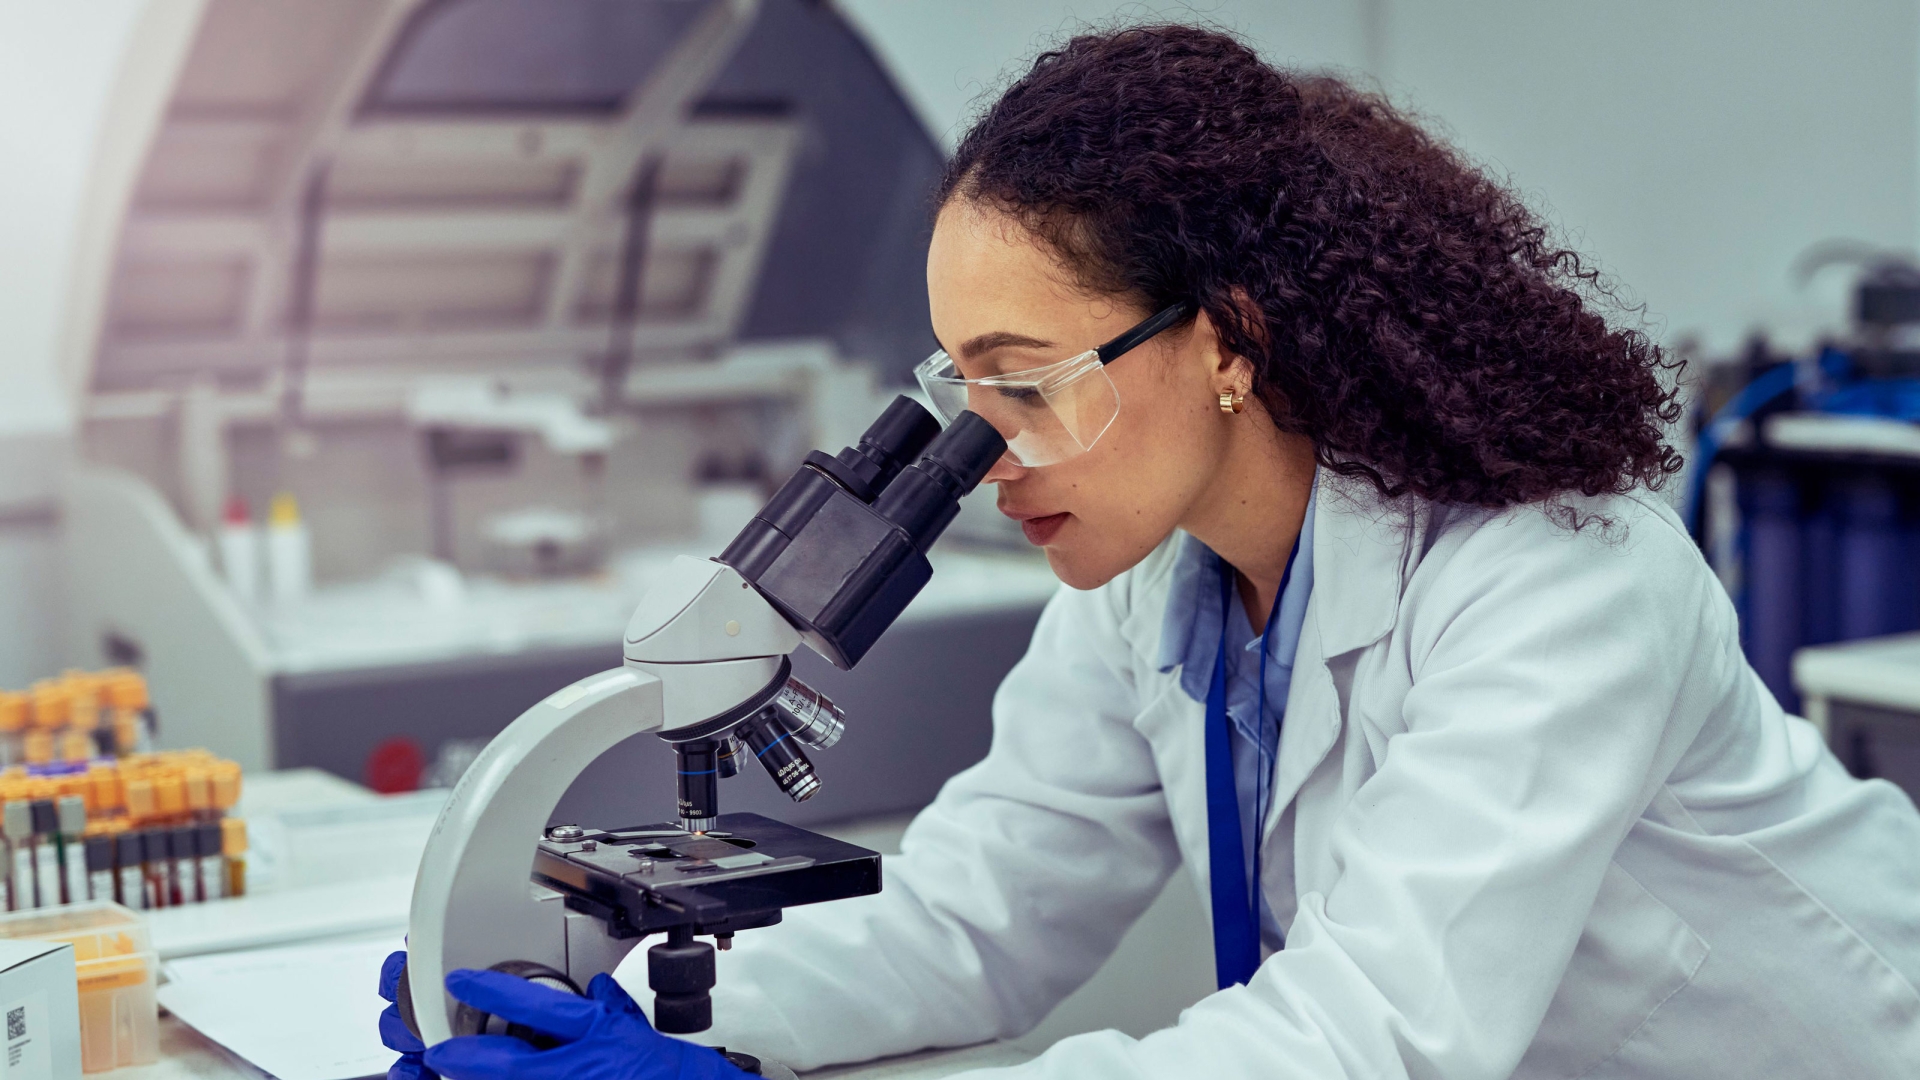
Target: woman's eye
(1025, 395)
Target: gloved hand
(393, 1030)
(603, 1036)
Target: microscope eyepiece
(926, 497)
(900, 434)
(865, 469)
(965, 451)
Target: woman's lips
(1042, 529)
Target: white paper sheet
(306, 1012)
(319, 912)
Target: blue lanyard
(1236, 926)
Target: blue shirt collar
(1189, 631)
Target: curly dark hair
(1411, 316)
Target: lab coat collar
(1361, 544)
(1360, 551)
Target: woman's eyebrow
(1000, 339)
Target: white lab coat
(1534, 816)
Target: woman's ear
(1252, 319)
(1252, 322)
(1224, 365)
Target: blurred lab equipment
(465, 295)
(240, 550)
(831, 561)
(1805, 494)
(1805, 488)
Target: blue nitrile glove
(604, 1036)
(393, 1030)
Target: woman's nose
(1003, 470)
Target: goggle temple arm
(1154, 323)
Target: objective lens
(777, 748)
(727, 759)
(812, 718)
(699, 783)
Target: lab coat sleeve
(1010, 890)
(1555, 681)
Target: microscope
(834, 557)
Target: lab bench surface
(185, 1054)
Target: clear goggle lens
(1046, 414)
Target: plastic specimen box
(117, 970)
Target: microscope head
(841, 548)
(843, 560)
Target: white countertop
(427, 614)
(185, 1054)
(1883, 671)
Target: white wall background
(57, 62)
(1695, 147)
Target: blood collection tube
(16, 821)
(72, 813)
(99, 867)
(183, 846)
(170, 793)
(13, 723)
(128, 854)
(213, 866)
(83, 717)
(132, 719)
(137, 793)
(156, 864)
(51, 707)
(46, 853)
(198, 788)
(233, 845)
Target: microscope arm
(473, 906)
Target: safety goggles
(1047, 414)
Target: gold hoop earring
(1231, 401)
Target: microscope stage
(650, 878)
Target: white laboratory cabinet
(517, 299)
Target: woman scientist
(1374, 626)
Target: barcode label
(29, 1054)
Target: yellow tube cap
(13, 711)
(233, 836)
(284, 511)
